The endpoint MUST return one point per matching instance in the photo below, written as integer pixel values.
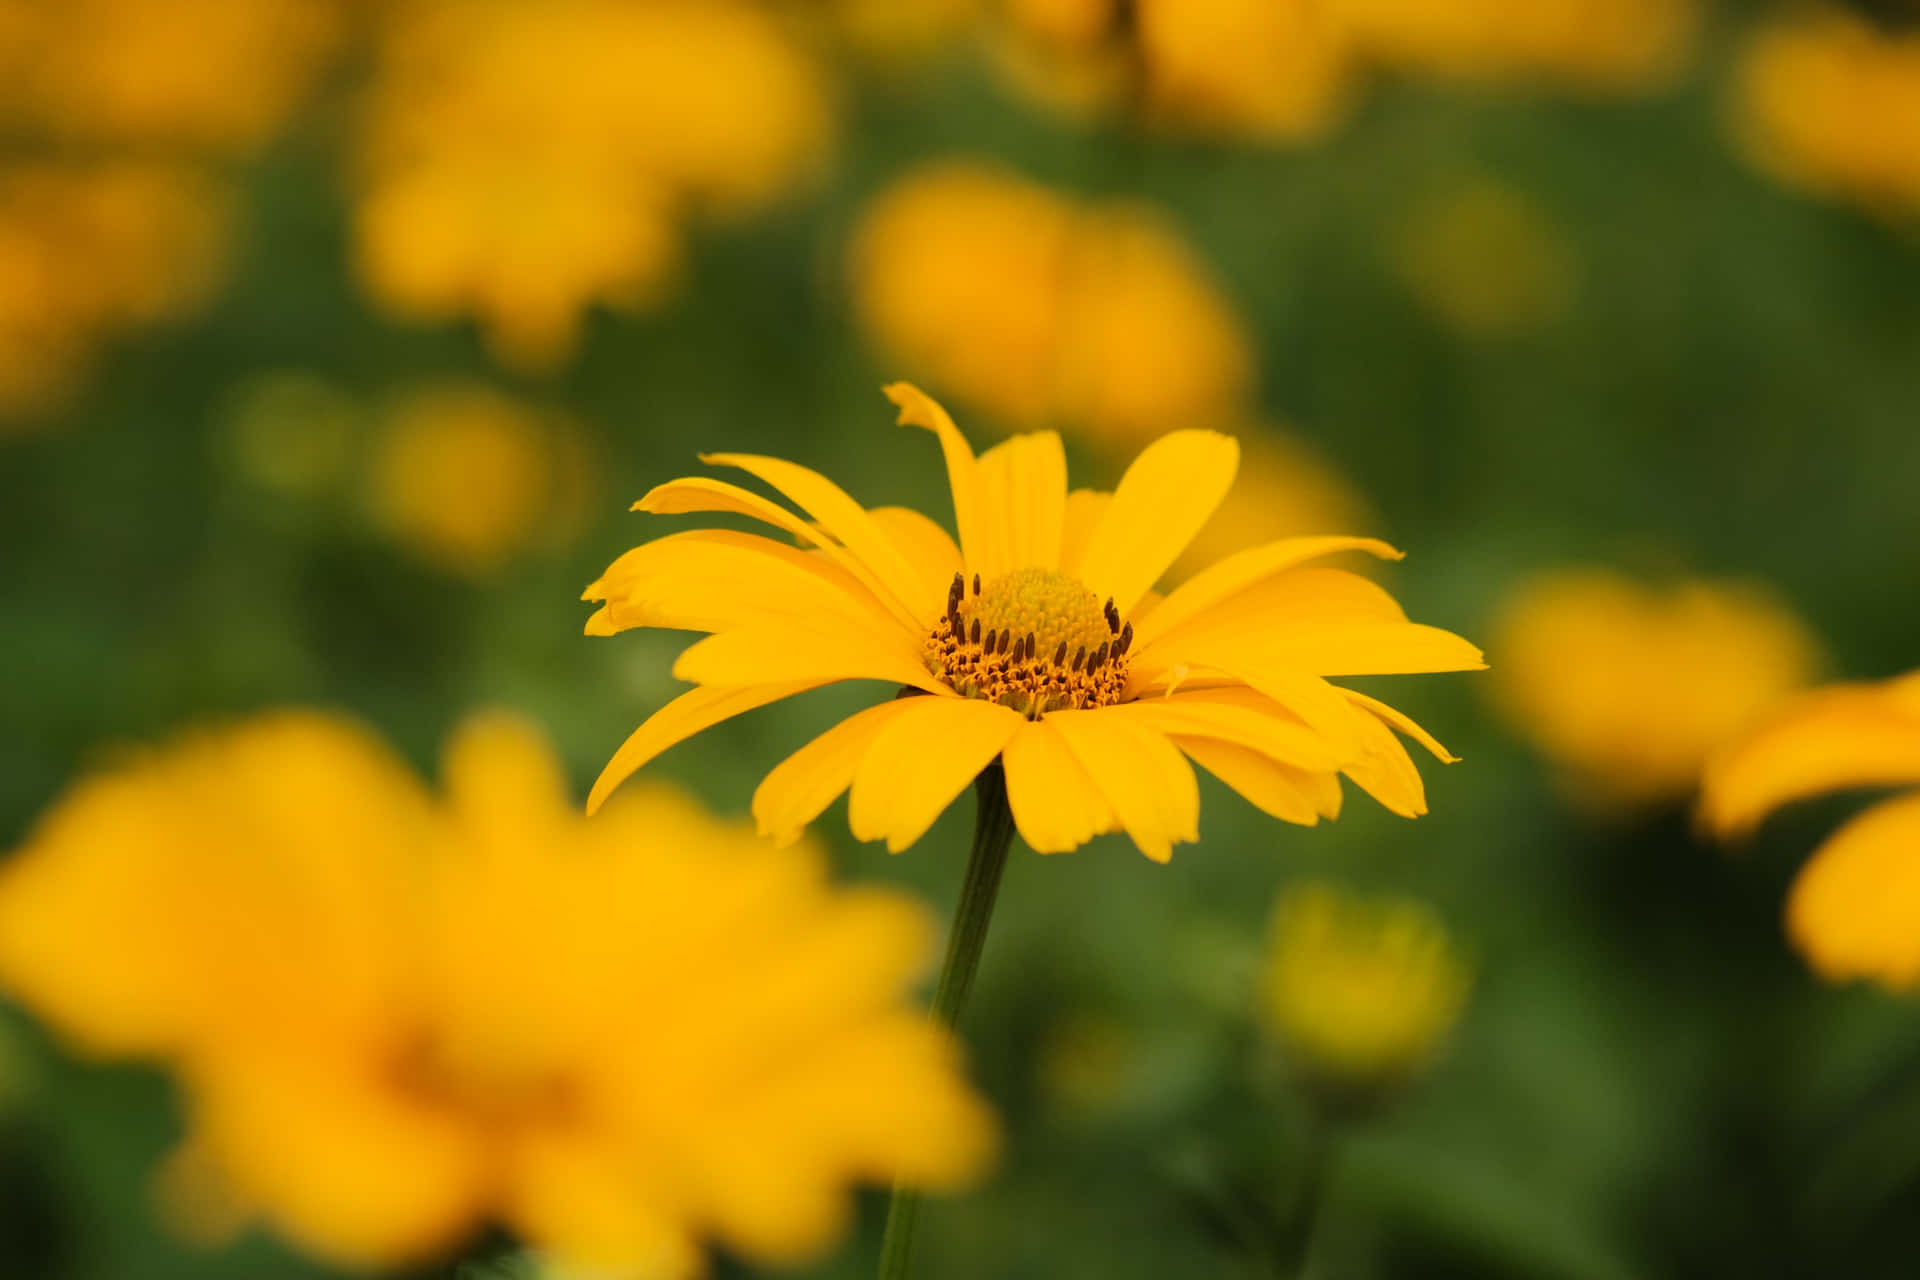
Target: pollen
(1035, 640)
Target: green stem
(1295, 1251)
(992, 834)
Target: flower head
(1628, 687)
(1360, 992)
(395, 1016)
(1037, 639)
(1855, 908)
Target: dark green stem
(1295, 1243)
(992, 834)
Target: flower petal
(847, 521)
(918, 409)
(1222, 582)
(1855, 909)
(1257, 725)
(920, 761)
(1023, 499)
(1168, 493)
(1143, 776)
(1055, 803)
(930, 548)
(1386, 772)
(819, 653)
(1404, 723)
(802, 786)
(686, 715)
(1855, 735)
(1086, 508)
(1289, 794)
(1324, 708)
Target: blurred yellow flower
(523, 163)
(1829, 102)
(396, 1016)
(1285, 488)
(214, 74)
(1360, 992)
(1855, 909)
(1601, 45)
(465, 476)
(87, 250)
(1628, 687)
(1038, 641)
(1486, 261)
(1102, 318)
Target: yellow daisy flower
(396, 1016)
(1036, 640)
(1855, 908)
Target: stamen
(976, 621)
(1113, 616)
(1126, 640)
(1079, 656)
(976, 584)
(1060, 655)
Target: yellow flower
(1270, 69)
(396, 1016)
(1606, 45)
(1486, 261)
(1831, 103)
(1102, 317)
(1036, 640)
(1628, 687)
(525, 162)
(1855, 908)
(466, 476)
(1360, 992)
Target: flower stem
(992, 834)
(1295, 1252)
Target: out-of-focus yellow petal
(1289, 794)
(1223, 582)
(1023, 495)
(1168, 493)
(800, 787)
(1855, 909)
(920, 761)
(1055, 803)
(847, 521)
(1143, 776)
(679, 720)
(918, 409)
(579, 1200)
(1842, 736)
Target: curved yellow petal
(714, 579)
(819, 653)
(1222, 582)
(1289, 794)
(1265, 729)
(802, 786)
(1291, 598)
(845, 520)
(1331, 649)
(1855, 909)
(703, 494)
(1165, 497)
(1404, 723)
(1854, 735)
(1086, 508)
(918, 409)
(920, 761)
(686, 715)
(1242, 680)
(1023, 500)
(931, 550)
(1386, 772)
(1055, 803)
(1143, 776)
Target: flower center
(1035, 640)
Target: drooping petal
(1023, 498)
(1386, 772)
(1165, 497)
(844, 519)
(686, 715)
(819, 653)
(1855, 909)
(1143, 776)
(918, 409)
(920, 761)
(1856, 735)
(1055, 803)
(1086, 508)
(932, 551)
(802, 786)
(1255, 724)
(703, 494)
(1221, 583)
(1404, 723)
(1289, 794)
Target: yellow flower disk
(1854, 911)
(1628, 687)
(396, 1016)
(1360, 992)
